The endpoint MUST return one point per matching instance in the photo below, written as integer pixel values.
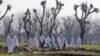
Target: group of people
(56, 43)
(72, 43)
(47, 42)
(42, 42)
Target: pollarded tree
(8, 8)
(20, 25)
(9, 25)
(58, 29)
(34, 26)
(46, 24)
(27, 23)
(40, 20)
(71, 27)
(55, 12)
(86, 11)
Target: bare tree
(96, 33)
(5, 24)
(8, 8)
(86, 11)
(58, 30)
(71, 27)
(20, 25)
(9, 26)
(40, 20)
(68, 25)
(55, 12)
(46, 23)
(34, 26)
(27, 23)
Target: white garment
(79, 44)
(47, 42)
(35, 42)
(72, 43)
(53, 42)
(10, 44)
(64, 41)
(59, 41)
(15, 39)
(30, 43)
(42, 38)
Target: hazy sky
(22, 5)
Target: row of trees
(48, 24)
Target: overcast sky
(22, 5)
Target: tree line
(48, 24)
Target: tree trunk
(19, 36)
(41, 32)
(50, 33)
(82, 34)
(27, 35)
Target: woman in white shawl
(36, 42)
(16, 44)
(53, 42)
(59, 42)
(42, 41)
(15, 39)
(10, 43)
(72, 43)
(47, 42)
(79, 44)
(30, 45)
(64, 40)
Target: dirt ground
(65, 52)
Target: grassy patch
(4, 54)
(15, 54)
(91, 46)
(4, 44)
(22, 44)
(53, 53)
(84, 46)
